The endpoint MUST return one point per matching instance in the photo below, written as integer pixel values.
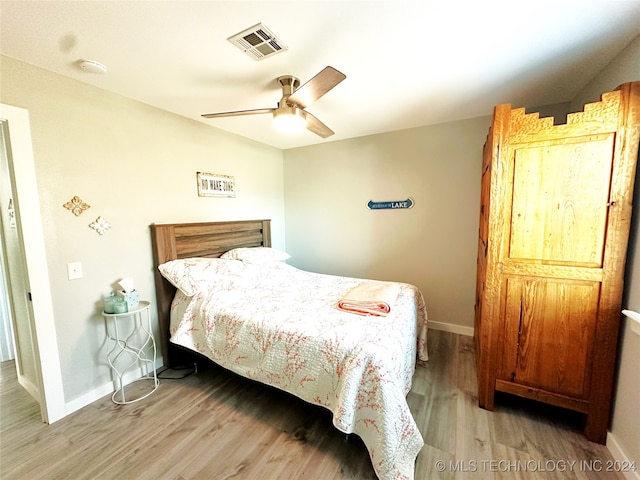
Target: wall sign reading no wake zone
(214, 185)
(408, 203)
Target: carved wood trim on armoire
(554, 226)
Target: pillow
(256, 255)
(190, 274)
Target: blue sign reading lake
(408, 203)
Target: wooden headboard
(183, 240)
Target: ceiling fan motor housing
(289, 84)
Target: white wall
(432, 245)
(625, 431)
(134, 165)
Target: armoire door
(554, 247)
(550, 325)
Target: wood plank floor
(216, 425)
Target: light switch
(74, 270)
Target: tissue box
(132, 299)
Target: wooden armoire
(554, 226)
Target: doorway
(14, 280)
(25, 267)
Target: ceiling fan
(291, 113)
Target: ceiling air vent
(258, 42)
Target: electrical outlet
(74, 270)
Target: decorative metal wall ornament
(408, 203)
(76, 205)
(100, 225)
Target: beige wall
(135, 165)
(432, 245)
(626, 416)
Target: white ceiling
(408, 63)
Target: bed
(260, 317)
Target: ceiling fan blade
(238, 113)
(316, 126)
(316, 87)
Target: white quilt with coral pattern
(279, 325)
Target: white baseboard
(621, 457)
(451, 327)
(103, 390)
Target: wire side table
(133, 347)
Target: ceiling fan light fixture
(289, 119)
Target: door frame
(29, 220)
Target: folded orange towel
(370, 298)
